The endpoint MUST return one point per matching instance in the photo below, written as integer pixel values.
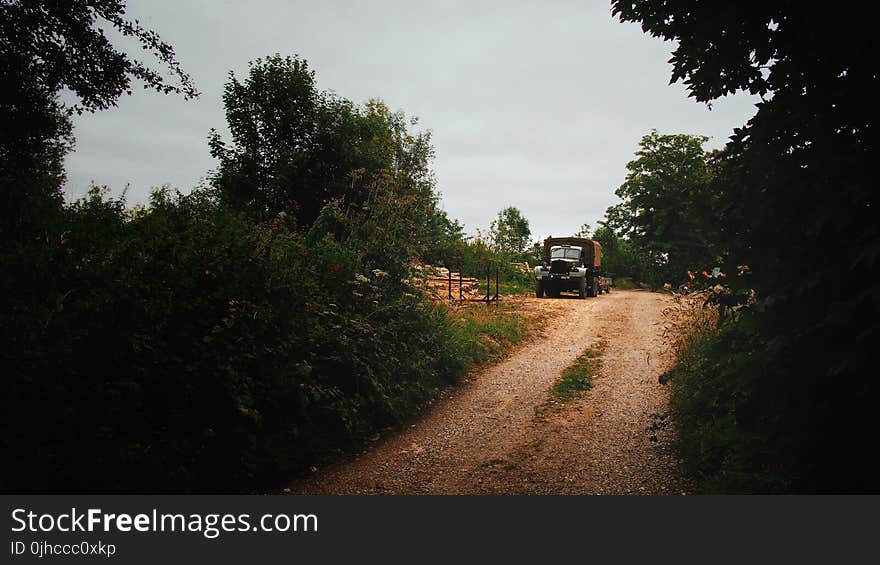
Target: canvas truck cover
(592, 250)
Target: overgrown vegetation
(485, 334)
(779, 397)
(223, 339)
(721, 448)
(263, 319)
(159, 345)
(47, 48)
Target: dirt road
(501, 432)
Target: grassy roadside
(516, 286)
(486, 333)
(479, 335)
(732, 440)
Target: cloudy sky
(537, 105)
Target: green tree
(510, 231)
(47, 48)
(667, 204)
(289, 140)
(584, 231)
(535, 253)
(296, 148)
(797, 199)
(62, 46)
(621, 258)
(445, 241)
(34, 139)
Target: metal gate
(488, 299)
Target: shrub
(185, 348)
(485, 333)
(739, 432)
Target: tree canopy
(47, 48)
(796, 203)
(584, 231)
(510, 231)
(667, 204)
(295, 148)
(61, 45)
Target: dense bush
(744, 430)
(222, 340)
(728, 440)
(792, 197)
(183, 347)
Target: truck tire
(582, 288)
(593, 289)
(539, 289)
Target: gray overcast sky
(537, 105)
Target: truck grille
(560, 266)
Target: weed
(486, 333)
(578, 377)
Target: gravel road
(501, 433)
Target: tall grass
(732, 438)
(485, 333)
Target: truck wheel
(539, 289)
(594, 288)
(582, 288)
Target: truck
(571, 263)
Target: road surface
(501, 432)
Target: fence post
(449, 274)
(488, 283)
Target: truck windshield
(565, 252)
